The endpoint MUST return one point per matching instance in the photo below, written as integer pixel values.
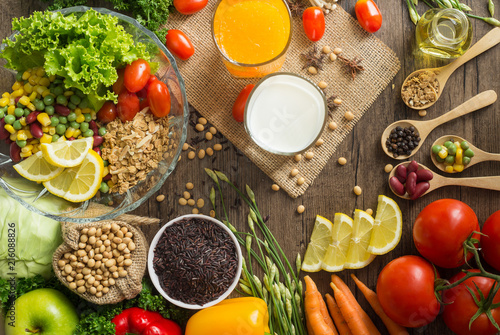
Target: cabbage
(36, 238)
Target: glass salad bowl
(110, 205)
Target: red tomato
(405, 289)
(490, 244)
(239, 104)
(179, 44)
(128, 106)
(107, 113)
(460, 306)
(313, 21)
(136, 75)
(118, 85)
(368, 14)
(187, 7)
(159, 98)
(440, 230)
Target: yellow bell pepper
(247, 316)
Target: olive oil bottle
(444, 33)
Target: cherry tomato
(313, 21)
(118, 85)
(490, 244)
(159, 98)
(179, 44)
(136, 75)
(107, 113)
(440, 230)
(128, 106)
(239, 104)
(368, 14)
(460, 307)
(187, 7)
(405, 289)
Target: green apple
(44, 312)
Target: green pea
(4, 109)
(19, 105)
(465, 160)
(88, 133)
(436, 149)
(48, 100)
(464, 145)
(2, 114)
(19, 112)
(105, 162)
(74, 124)
(447, 143)
(72, 116)
(39, 105)
(75, 99)
(84, 103)
(84, 126)
(62, 100)
(469, 153)
(88, 117)
(21, 143)
(60, 129)
(55, 138)
(71, 106)
(449, 160)
(58, 90)
(79, 93)
(102, 131)
(17, 125)
(58, 81)
(54, 121)
(104, 187)
(19, 76)
(26, 112)
(9, 119)
(50, 110)
(63, 119)
(452, 150)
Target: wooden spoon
(488, 41)
(488, 183)
(479, 155)
(479, 101)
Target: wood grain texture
(333, 189)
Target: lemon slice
(36, 168)
(358, 255)
(321, 238)
(336, 254)
(387, 227)
(67, 153)
(79, 183)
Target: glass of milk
(285, 113)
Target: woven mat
(212, 90)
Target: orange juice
(252, 35)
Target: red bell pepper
(141, 322)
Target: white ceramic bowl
(154, 276)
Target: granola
(421, 89)
(134, 148)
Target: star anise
(297, 7)
(353, 65)
(330, 104)
(314, 59)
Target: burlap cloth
(212, 90)
(125, 288)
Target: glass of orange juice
(252, 35)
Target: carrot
(366, 319)
(349, 312)
(313, 310)
(342, 326)
(326, 315)
(392, 327)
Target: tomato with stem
(313, 21)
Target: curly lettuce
(84, 49)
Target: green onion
(491, 7)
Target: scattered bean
(342, 161)
(337, 101)
(212, 213)
(349, 116)
(357, 190)
(294, 172)
(210, 151)
(195, 211)
(201, 154)
(200, 203)
(333, 56)
(422, 113)
(369, 211)
(322, 84)
(160, 198)
(319, 142)
(309, 155)
(301, 181)
(332, 125)
(218, 147)
(209, 136)
(212, 130)
(275, 187)
(182, 202)
(326, 49)
(191, 155)
(199, 127)
(312, 70)
(301, 209)
(202, 121)
(191, 202)
(388, 168)
(185, 146)
(337, 51)
(189, 186)
(298, 157)
(186, 195)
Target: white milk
(285, 114)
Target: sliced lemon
(358, 255)
(79, 183)
(67, 153)
(321, 238)
(387, 227)
(336, 254)
(36, 168)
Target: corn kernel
(33, 96)
(25, 154)
(46, 138)
(77, 133)
(11, 109)
(41, 89)
(13, 137)
(52, 130)
(78, 111)
(22, 121)
(6, 95)
(68, 93)
(46, 92)
(9, 128)
(459, 155)
(17, 93)
(52, 78)
(34, 141)
(24, 100)
(33, 80)
(40, 72)
(4, 102)
(27, 148)
(448, 169)
(44, 82)
(36, 149)
(86, 110)
(44, 120)
(28, 88)
(26, 75)
(31, 107)
(110, 184)
(21, 135)
(443, 153)
(69, 132)
(93, 114)
(458, 167)
(17, 85)
(80, 118)
(45, 129)
(105, 172)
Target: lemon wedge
(336, 254)
(321, 238)
(78, 183)
(358, 255)
(67, 153)
(387, 227)
(36, 168)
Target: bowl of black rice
(194, 261)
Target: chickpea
(189, 186)
(326, 49)
(337, 51)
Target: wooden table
(333, 190)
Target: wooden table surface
(333, 189)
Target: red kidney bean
(4, 134)
(412, 167)
(36, 130)
(98, 140)
(16, 100)
(424, 175)
(93, 126)
(71, 138)
(98, 150)
(411, 183)
(62, 110)
(15, 152)
(107, 177)
(401, 173)
(421, 188)
(397, 186)
(8, 141)
(31, 117)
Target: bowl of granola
(135, 153)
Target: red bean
(15, 152)
(98, 150)
(31, 117)
(411, 183)
(107, 177)
(98, 140)
(62, 110)
(424, 175)
(8, 141)
(16, 100)
(397, 186)
(4, 134)
(36, 130)
(401, 173)
(412, 167)
(93, 126)
(421, 188)
(71, 138)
